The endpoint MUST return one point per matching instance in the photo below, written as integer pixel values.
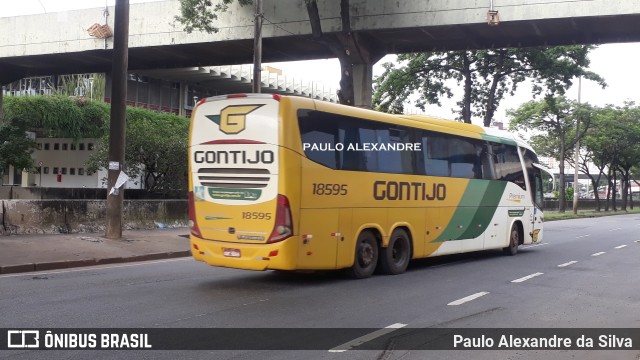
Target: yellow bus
(291, 183)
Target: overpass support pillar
(363, 85)
(357, 57)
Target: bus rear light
(283, 227)
(193, 224)
(235, 96)
(276, 97)
(202, 101)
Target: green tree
(57, 116)
(46, 116)
(627, 154)
(347, 45)
(201, 14)
(156, 150)
(487, 76)
(15, 147)
(555, 118)
(595, 148)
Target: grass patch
(555, 215)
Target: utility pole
(1, 105)
(576, 188)
(118, 111)
(257, 49)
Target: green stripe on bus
(498, 139)
(475, 211)
(465, 211)
(485, 212)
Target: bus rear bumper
(246, 256)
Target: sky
(616, 63)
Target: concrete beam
(58, 43)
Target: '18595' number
(329, 189)
(256, 215)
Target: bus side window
(437, 163)
(487, 163)
(507, 164)
(318, 130)
(370, 157)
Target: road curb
(68, 264)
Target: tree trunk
(1, 106)
(491, 107)
(609, 186)
(614, 191)
(629, 195)
(562, 203)
(355, 56)
(491, 97)
(594, 183)
(468, 82)
(626, 185)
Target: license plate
(231, 252)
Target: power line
(278, 26)
(43, 8)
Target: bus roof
(459, 128)
(487, 133)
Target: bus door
(539, 172)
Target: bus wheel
(366, 257)
(514, 241)
(394, 259)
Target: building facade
(63, 162)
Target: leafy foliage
(156, 149)
(487, 76)
(555, 119)
(15, 147)
(57, 116)
(91, 86)
(54, 116)
(201, 14)
(156, 144)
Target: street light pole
(576, 188)
(118, 111)
(257, 49)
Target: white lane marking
(526, 277)
(615, 229)
(468, 298)
(365, 338)
(530, 246)
(567, 263)
(581, 236)
(598, 253)
(98, 267)
(620, 247)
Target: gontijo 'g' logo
(233, 118)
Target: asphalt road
(597, 286)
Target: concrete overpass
(58, 43)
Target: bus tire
(366, 256)
(514, 241)
(394, 259)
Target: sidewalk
(22, 253)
